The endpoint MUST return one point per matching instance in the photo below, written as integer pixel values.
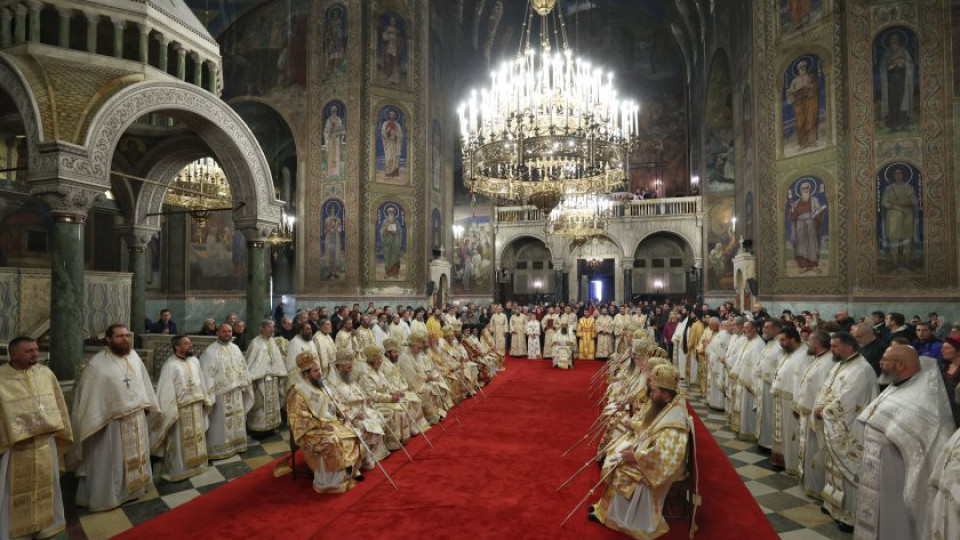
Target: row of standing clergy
(869, 456)
(599, 336)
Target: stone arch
(689, 245)
(214, 122)
(171, 157)
(15, 85)
(515, 239)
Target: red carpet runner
(492, 476)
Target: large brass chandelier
(580, 216)
(200, 188)
(550, 124)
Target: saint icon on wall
(332, 240)
(807, 227)
(896, 80)
(900, 218)
(391, 47)
(796, 14)
(335, 41)
(391, 242)
(804, 105)
(334, 140)
(391, 146)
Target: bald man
(906, 428)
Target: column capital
(177, 46)
(143, 27)
(194, 55)
(21, 9)
(137, 236)
(626, 265)
(92, 16)
(66, 199)
(256, 230)
(164, 40)
(6, 14)
(34, 5)
(65, 12)
(558, 266)
(118, 22)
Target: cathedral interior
(216, 157)
(791, 153)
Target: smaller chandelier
(580, 216)
(200, 188)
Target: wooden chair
(684, 495)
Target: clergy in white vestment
(500, 328)
(647, 461)
(745, 426)
(326, 348)
(533, 337)
(417, 326)
(396, 330)
(268, 374)
(728, 381)
(518, 338)
(410, 399)
(329, 445)
(717, 375)
(945, 511)
(906, 429)
(346, 340)
(812, 460)
(302, 342)
(35, 433)
(412, 366)
(345, 390)
(620, 322)
(384, 400)
(680, 343)
(849, 388)
(178, 429)
(381, 330)
(563, 348)
(550, 324)
(786, 422)
(225, 374)
(763, 377)
(604, 328)
(110, 432)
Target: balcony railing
(677, 206)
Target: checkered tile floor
(82, 525)
(794, 515)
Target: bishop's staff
(384, 422)
(359, 437)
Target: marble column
(118, 27)
(197, 69)
(628, 282)
(557, 283)
(163, 53)
(144, 48)
(565, 286)
(66, 294)
(92, 20)
(63, 30)
(33, 20)
(137, 240)
(211, 85)
(20, 24)
(6, 17)
(181, 61)
(258, 305)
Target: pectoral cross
(41, 408)
(126, 379)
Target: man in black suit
(871, 347)
(897, 324)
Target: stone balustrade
(648, 208)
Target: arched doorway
(596, 264)
(526, 271)
(663, 268)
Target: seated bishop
(640, 473)
(329, 445)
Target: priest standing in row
(225, 374)
(604, 335)
(269, 377)
(518, 338)
(111, 443)
(178, 429)
(36, 433)
(302, 342)
(587, 332)
(533, 338)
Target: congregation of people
(864, 413)
(349, 395)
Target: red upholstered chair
(684, 495)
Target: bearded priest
(110, 430)
(329, 445)
(178, 429)
(647, 464)
(227, 379)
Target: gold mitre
(390, 344)
(344, 357)
(661, 352)
(456, 325)
(433, 335)
(448, 331)
(641, 333)
(372, 352)
(417, 339)
(306, 360)
(655, 361)
(665, 377)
